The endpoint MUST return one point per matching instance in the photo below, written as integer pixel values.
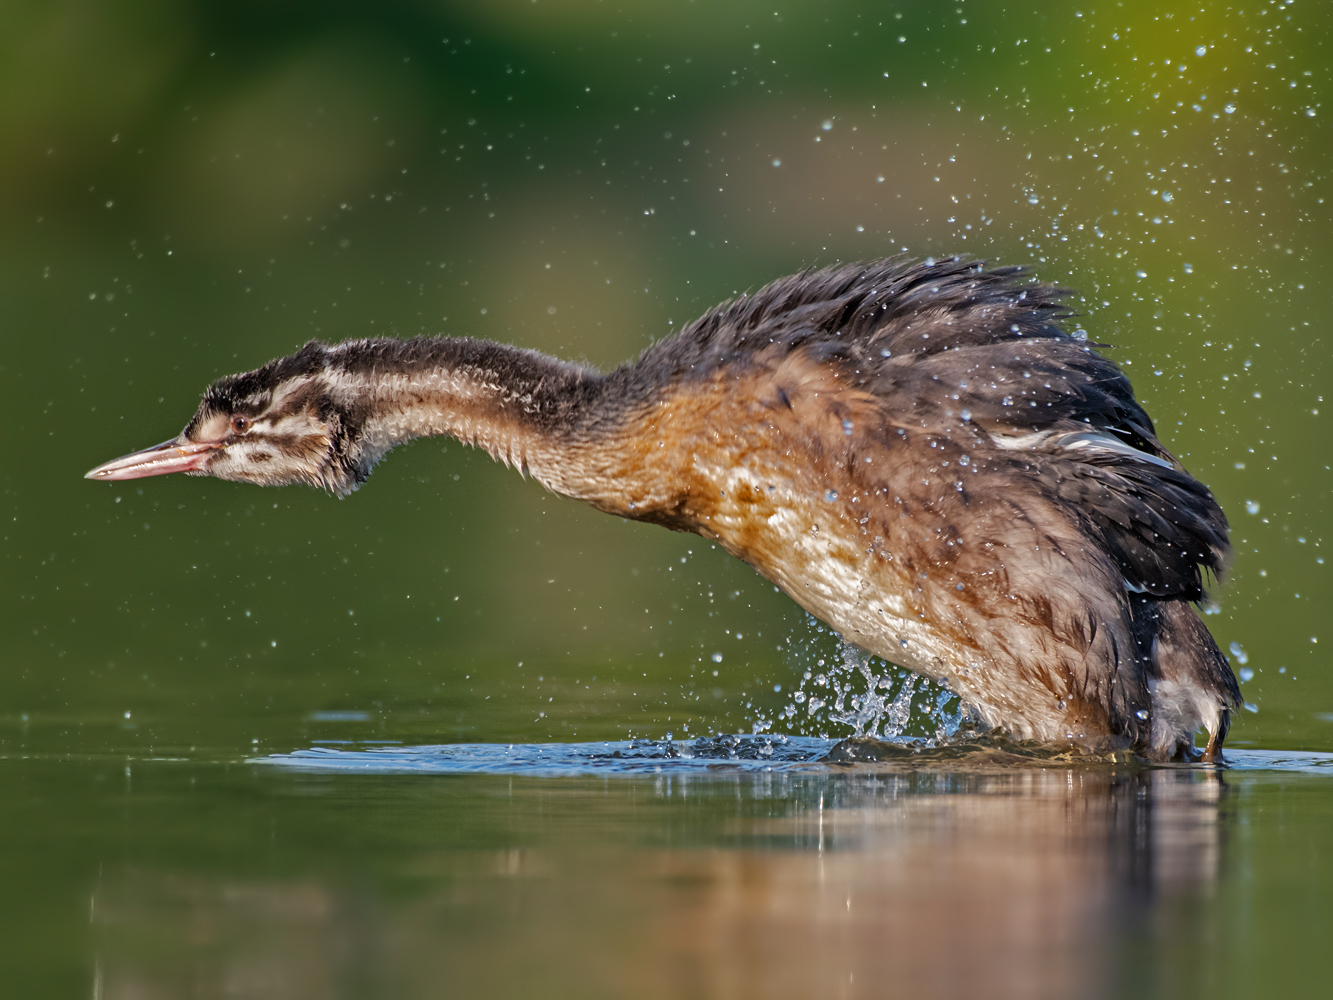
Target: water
(728, 754)
(702, 755)
(564, 870)
(847, 691)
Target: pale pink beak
(169, 456)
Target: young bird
(918, 453)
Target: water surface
(724, 753)
(656, 869)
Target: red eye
(240, 424)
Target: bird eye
(240, 424)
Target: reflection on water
(1024, 882)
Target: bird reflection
(1031, 882)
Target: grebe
(916, 452)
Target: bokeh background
(190, 188)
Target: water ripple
(730, 754)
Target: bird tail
(1190, 681)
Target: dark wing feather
(895, 305)
(955, 348)
(1161, 524)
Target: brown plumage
(918, 453)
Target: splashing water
(869, 696)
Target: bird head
(276, 425)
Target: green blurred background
(190, 188)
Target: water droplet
(884, 352)
(1250, 707)
(717, 657)
(1310, 112)
(966, 415)
(1251, 506)
(1246, 674)
(1142, 713)
(1201, 50)
(827, 124)
(777, 162)
(1007, 401)
(830, 495)
(847, 427)
(1239, 653)
(1231, 110)
(1033, 199)
(903, 643)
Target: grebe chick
(917, 453)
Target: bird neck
(532, 412)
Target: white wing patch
(1093, 442)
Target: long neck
(538, 414)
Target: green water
(188, 190)
(185, 876)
